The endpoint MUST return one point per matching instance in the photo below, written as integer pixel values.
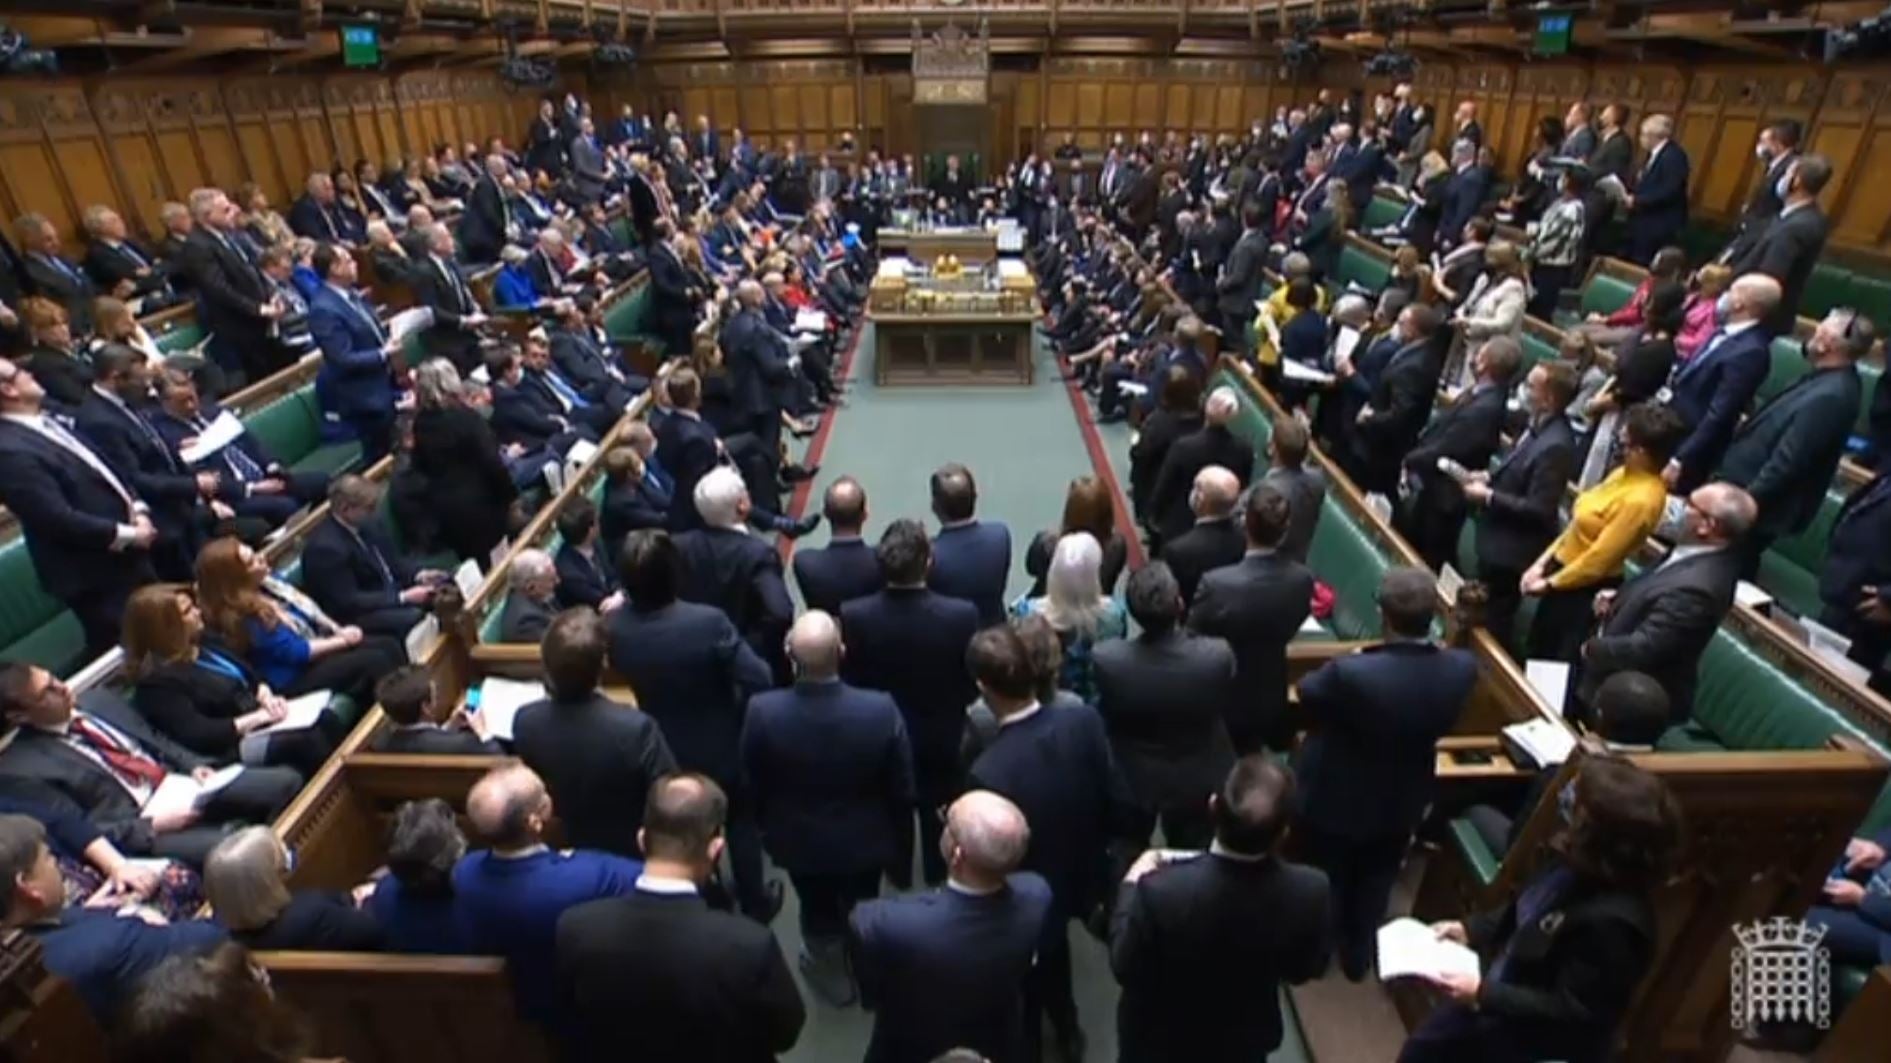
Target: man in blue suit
(910, 642)
(1855, 585)
(353, 570)
(1711, 391)
(972, 558)
(846, 567)
(586, 575)
(1463, 194)
(946, 969)
(556, 391)
(1055, 763)
(356, 349)
(1366, 767)
(528, 416)
(1657, 211)
(253, 482)
(831, 771)
(693, 674)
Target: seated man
(586, 575)
(1856, 912)
(102, 952)
(531, 427)
(408, 697)
(532, 598)
(541, 375)
(111, 763)
(635, 495)
(355, 573)
(251, 481)
(585, 357)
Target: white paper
(421, 636)
(1300, 371)
(222, 432)
(303, 712)
(409, 320)
(1344, 344)
(468, 578)
(179, 793)
(1409, 948)
(499, 553)
(500, 700)
(156, 865)
(1550, 679)
(1449, 583)
(1547, 742)
(1752, 597)
(1310, 626)
(581, 452)
(810, 321)
(219, 779)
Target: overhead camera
(1301, 50)
(1870, 39)
(614, 55)
(521, 72)
(1399, 66)
(17, 58)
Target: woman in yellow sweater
(1609, 522)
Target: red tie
(134, 767)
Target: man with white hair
(439, 285)
(734, 570)
(1712, 390)
(317, 215)
(1657, 211)
(531, 601)
(1214, 444)
(1463, 193)
(946, 968)
(487, 223)
(832, 775)
(238, 303)
(114, 261)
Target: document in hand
(222, 432)
(303, 712)
(1306, 374)
(179, 793)
(1541, 743)
(500, 700)
(1409, 948)
(410, 320)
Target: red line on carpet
(1100, 462)
(798, 502)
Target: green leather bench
(621, 229)
(35, 627)
(1381, 212)
(180, 339)
(626, 321)
(291, 428)
(1789, 571)
(1358, 266)
(1871, 296)
(1536, 349)
(489, 626)
(1828, 286)
(1603, 294)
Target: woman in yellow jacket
(1607, 524)
(1274, 314)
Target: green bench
(489, 624)
(290, 428)
(180, 339)
(1381, 212)
(627, 321)
(1789, 570)
(1362, 267)
(1602, 294)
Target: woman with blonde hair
(1495, 306)
(457, 455)
(263, 222)
(280, 634)
(53, 355)
(1077, 609)
(247, 880)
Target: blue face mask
(1723, 306)
(1566, 802)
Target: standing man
(1304, 488)
(1239, 286)
(240, 307)
(762, 371)
(587, 163)
(659, 974)
(1216, 538)
(1787, 247)
(1657, 210)
(1213, 444)
(1777, 151)
(1467, 433)
(1712, 389)
(440, 286)
(487, 224)
(1520, 501)
(1855, 584)
(1400, 404)
(846, 567)
(972, 558)
(731, 568)
(357, 352)
(1367, 766)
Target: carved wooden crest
(950, 65)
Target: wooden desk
(972, 246)
(953, 348)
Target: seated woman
(54, 355)
(247, 881)
(1608, 330)
(514, 288)
(1566, 956)
(280, 634)
(205, 699)
(1700, 314)
(1088, 507)
(88, 861)
(1078, 610)
(413, 902)
(348, 207)
(262, 221)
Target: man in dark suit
(1778, 151)
(598, 757)
(1661, 621)
(1712, 389)
(762, 371)
(1201, 941)
(693, 674)
(1463, 194)
(1657, 210)
(733, 569)
(588, 364)
(540, 375)
(439, 285)
(689, 445)
(180, 500)
(1055, 764)
(845, 568)
(238, 303)
(705, 142)
(1163, 696)
(910, 642)
(315, 215)
(356, 353)
(1787, 247)
(1786, 452)
(1855, 583)
(832, 775)
(971, 559)
(115, 262)
(1521, 499)
(946, 969)
(1257, 605)
(1400, 404)
(586, 575)
(587, 163)
(1239, 285)
(50, 274)
(1216, 538)
(1304, 488)
(1366, 767)
(659, 973)
(636, 490)
(526, 415)
(88, 533)
(109, 761)
(487, 223)
(531, 597)
(1214, 444)
(251, 481)
(352, 569)
(421, 720)
(1467, 434)
(545, 140)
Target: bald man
(1214, 444)
(1216, 539)
(507, 898)
(845, 568)
(1661, 621)
(831, 771)
(1712, 390)
(946, 968)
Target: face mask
(1723, 306)
(1566, 802)
(1762, 152)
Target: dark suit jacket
(64, 283)
(1256, 605)
(837, 573)
(1207, 546)
(973, 561)
(468, 487)
(1524, 513)
(1401, 403)
(66, 377)
(310, 219)
(1710, 393)
(688, 447)
(341, 572)
(447, 337)
(146, 465)
(1661, 623)
(1162, 699)
(69, 514)
(629, 507)
(1241, 279)
(759, 377)
(1468, 433)
(587, 367)
(1374, 718)
(1305, 489)
(1661, 195)
(1213, 445)
(693, 674)
(665, 977)
(598, 758)
(831, 772)
(230, 288)
(584, 578)
(910, 642)
(428, 738)
(1785, 454)
(1159, 432)
(525, 619)
(1463, 194)
(740, 574)
(196, 705)
(1200, 948)
(524, 415)
(944, 969)
(1858, 552)
(483, 226)
(107, 266)
(1786, 249)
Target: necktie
(57, 433)
(151, 436)
(361, 307)
(459, 284)
(131, 766)
(241, 464)
(387, 574)
(569, 395)
(135, 256)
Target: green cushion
(1605, 294)
(1788, 364)
(34, 626)
(180, 339)
(620, 228)
(1868, 374)
(625, 319)
(1746, 702)
(1478, 858)
(330, 459)
(1361, 267)
(1829, 286)
(1381, 212)
(290, 427)
(1790, 569)
(1536, 349)
(1870, 296)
